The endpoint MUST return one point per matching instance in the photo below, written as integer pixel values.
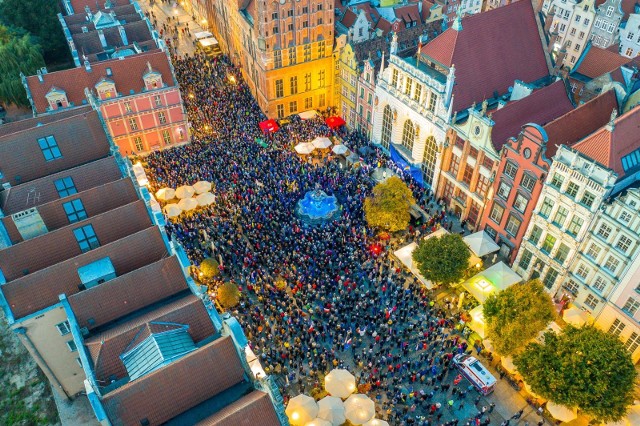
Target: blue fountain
(318, 208)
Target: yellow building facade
(348, 82)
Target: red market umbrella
(335, 122)
(269, 126)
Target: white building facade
(607, 23)
(572, 22)
(630, 37)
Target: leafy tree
(389, 207)
(516, 315)
(582, 367)
(17, 55)
(228, 295)
(442, 260)
(209, 268)
(39, 17)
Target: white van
(476, 373)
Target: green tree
(582, 367)
(228, 295)
(209, 268)
(388, 208)
(516, 315)
(442, 260)
(39, 17)
(17, 55)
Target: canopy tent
(321, 142)
(340, 382)
(307, 115)
(319, 422)
(359, 409)
(507, 364)
(376, 422)
(139, 173)
(269, 126)
(339, 149)
(301, 409)
(353, 158)
(331, 408)
(185, 191)
(575, 316)
(202, 186)
(304, 148)
(365, 150)
(481, 243)
(477, 322)
(562, 413)
(172, 210)
(187, 204)
(335, 122)
(405, 255)
(492, 280)
(380, 174)
(205, 199)
(202, 34)
(166, 194)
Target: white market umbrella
(318, 422)
(481, 243)
(507, 363)
(331, 408)
(561, 412)
(575, 316)
(321, 142)
(340, 149)
(359, 409)
(304, 148)
(185, 191)
(340, 383)
(376, 422)
(301, 410)
(187, 204)
(166, 194)
(172, 210)
(202, 186)
(205, 199)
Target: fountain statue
(317, 208)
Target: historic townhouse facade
(571, 23)
(607, 23)
(630, 36)
(348, 83)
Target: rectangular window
(557, 180)
(575, 225)
(520, 203)
(604, 231)
(321, 49)
(550, 278)
(546, 207)
(617, 327)
(572, 287)
(307, 52)
(510, 170)
(280, 109)
(588, 199)
(127, 106)
(49, 148)
(572, 189)
(292, 56)
(528, 182)
(503, 190)
(86, 237)
(417, 93)
(162, 119)
(455, 164)
(536, 233)
(625, 217)
(289, 13)
(293, 85)
(166, 137)
(513, 225)
(599, 284)
(561, 216)
(394, 77)
(72, 346)
(593, 252)
(525, 259)
(370, 99)
(321, 100)
(74, 210)
(321, 76)
(157, 100)
(433, 99)
(468, 173)
(496, 213)
(624, 243)
(549, 242)
(487, 162)
(279, 88)
(482, 185)
(408, 85)
(308, 103)
(293, 107)
(612, 264)
(631, 307)
(133, 124)
(591, 301)
(562, 253)
(632, 342)
(137, 141)
(274, 16)
(277, 58)
(65, 187)
(63, 328)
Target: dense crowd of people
(339, 304)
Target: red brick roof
(608, 147)
(128, 293)
(540, 107)
(597, 62)
(126, 254)
(349, 18)
(492, 50)
(126, 74)
(94, 5)
(106, 346)
(252, 409)
(80, 138)
(408, 14)
(165, 393)
(580, 122)
(383, 25)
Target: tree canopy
(228, 295)
(582, 367)
(17, 55)
(442, 260)
(388, 208)
(209, 268)
(516, 315)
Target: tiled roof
(540, 107)
(174, 389)
(597, 62)
(349, 18)
(128, 293)
(95, 5)
(371, 13)
(126, 74)
(126, 255)
(41, 191)
(89, 43)
(426, 9)
(492, 50)
(80, 138)
(106, 346)
(408, 14)
(580, 122)
(125, 12)
(608, 147)
(95, 201)
(250, 410)
(28, 123)
(384, 26)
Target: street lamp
(232, 79)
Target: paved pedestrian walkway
(170, 19)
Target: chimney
(39, 73)
(123, 35)
(87, 65)
(612, 121)
(103, 41)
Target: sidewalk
(172, 14)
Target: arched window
(408, 135)
(387, 125)
(429, 162)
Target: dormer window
(106, 89)
(153, 80)
(57, 99)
